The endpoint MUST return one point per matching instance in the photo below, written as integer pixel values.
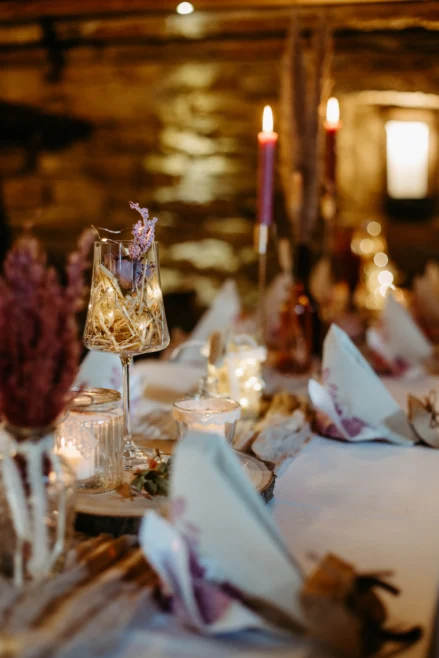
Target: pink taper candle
(267, 146)
(332, 125)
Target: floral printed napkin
(398, 340)
(222, 549)
(351, 402)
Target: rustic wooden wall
(172, 111)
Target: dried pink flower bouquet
(39, 346)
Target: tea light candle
(211, 415)
(83, 466)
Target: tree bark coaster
(343, 609)
(92, 525)
(112, 513)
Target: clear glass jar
(91, 439)
(37, 504)
(208, 415)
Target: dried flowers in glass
(126, 314)
(39, 355)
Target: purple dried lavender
(39, 346)
(143, 232)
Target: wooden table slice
(110, 512)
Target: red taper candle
(332, 125)
(267, 147)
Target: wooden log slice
(112, 513)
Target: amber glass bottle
(298, 334)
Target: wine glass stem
(126, 362)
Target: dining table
(374, 504)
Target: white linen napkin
(100, 370)
(217, 514)
(104, 370)
(401, 338)
(353, 399)
(221, 315)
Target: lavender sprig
(143, 232)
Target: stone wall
(174, 127)
(178, 137)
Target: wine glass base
(134, 456)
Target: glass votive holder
(240, 376)
(91, 439)
(211, 415)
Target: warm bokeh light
(332, 113)
(381, 259)
(374, 228)
(185, 8)
(407, 146)
(267, 120)
(385, 278)
(366, 246)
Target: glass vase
(37, 496)
(126, 315)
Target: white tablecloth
(376, 505)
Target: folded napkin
(225, 567)
(221, 315)
(104, 370)
(219, 520)
(399, 341)
(352, 403)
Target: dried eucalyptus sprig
(39, 346)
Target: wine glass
(126, 315)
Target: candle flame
(332, 112)
(267, 120)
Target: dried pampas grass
(305, 86)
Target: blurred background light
(184, 8)
(407, 145)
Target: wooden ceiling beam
(385, 47)
(33, 10)
(211, 25)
